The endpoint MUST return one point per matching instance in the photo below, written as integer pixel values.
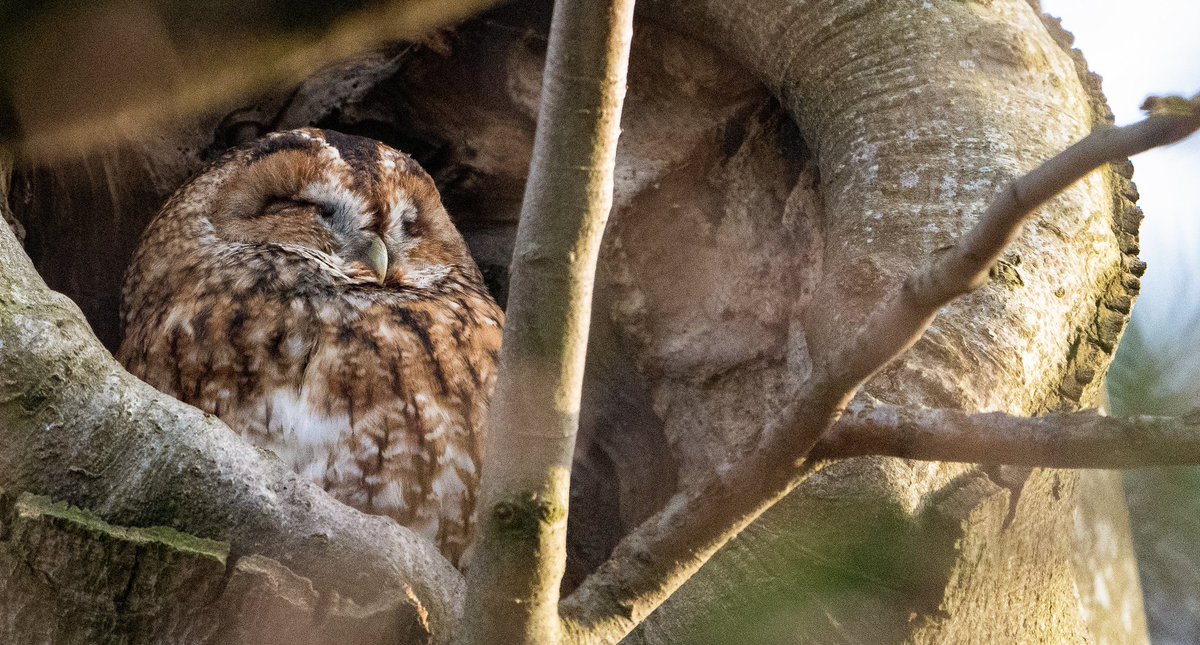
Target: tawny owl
(310, 290)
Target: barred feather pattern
(258, 294)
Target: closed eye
(276, 206)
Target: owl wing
(381, 401)
(389, 415)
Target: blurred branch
(1075, 440)
(660, 555)
(77, 74)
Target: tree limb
(1075, 440)
(901, 320)
(187, 59)
(652, 561)
(520, 552)
(78, 428)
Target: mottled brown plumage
(310, 290)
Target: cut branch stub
(521, 518)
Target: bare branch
(652, 561)
(1075, 440)
(520, 553)
(899, 321)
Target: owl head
(361, 211)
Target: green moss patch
(38, 507)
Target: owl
(310, 290)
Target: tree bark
(160, 586)
(742, 246)
(1080, 440)
(79, 429)
(520, 556)
(917, 115)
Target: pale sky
(1152, 47)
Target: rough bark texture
(156, 585)
(748, 230)
(79, 429)
(898, 184)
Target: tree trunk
(783, 165)
(917, 116)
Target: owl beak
(377, 257)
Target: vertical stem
(520, 552)
(6, 216)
